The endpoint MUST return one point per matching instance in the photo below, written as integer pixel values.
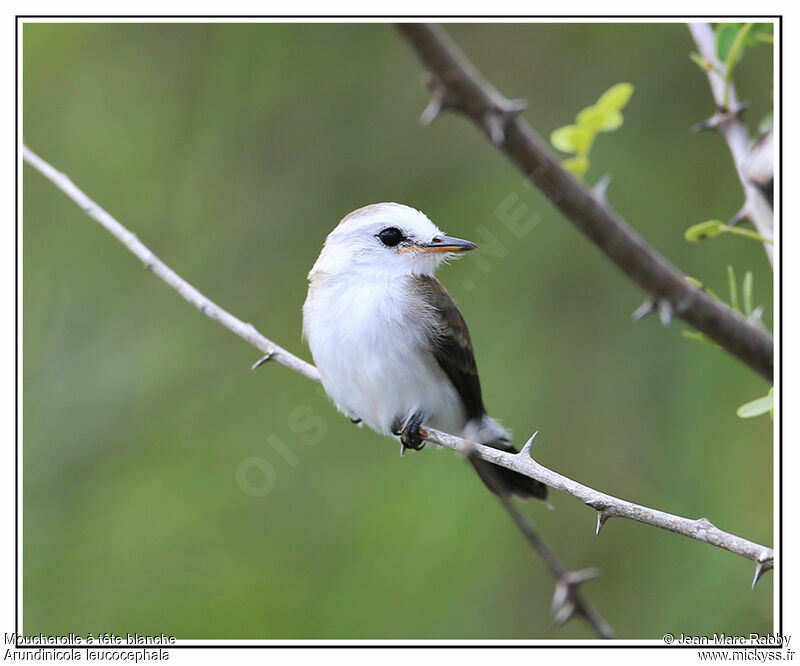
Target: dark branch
(460, 87)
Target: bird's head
(387, 240)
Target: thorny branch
(456, 84)
(727, 121)
(606, 506)
(567, 598)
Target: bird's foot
(411, 435)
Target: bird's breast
(371, 345)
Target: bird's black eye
(391, 236)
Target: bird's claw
(410, 435)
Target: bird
(392, 348)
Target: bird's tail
(501, 480)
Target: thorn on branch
(603, 513)
(602, 517)
(662, 306)
(432, 111)
(565, 612)
(665, 312)
(513, 107)
(438, 101)
(741, 215)
(704, 524)
(525, 451)
(575, 578)
(764, 563)
(267, 357)
(761, 569)
(495, 127)
(600, 188)
(755, 315)
(498, 115)
(564, 604)
(711, 123)
(646, 308)
(720, 117)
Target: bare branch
(727, 121)
(606, 505)
(245, 331)
(567, 598)
(466, 91)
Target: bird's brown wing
(452, 346)
(452, 349)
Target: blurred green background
(169, 489)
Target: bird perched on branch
(391, 346)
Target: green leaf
(703, 231)
(577, 165)
(591, 118)
(595, 119)
(746, 233)
(761, 32)
(757, 407)
(711, 228)
(747, 293)
(733, 54)
(572, 139)
(616, 97)
(732, 288)
(561, 138)
(612, 121)
(604, 116)
(737, 48)
(726, 36)
(766, 124)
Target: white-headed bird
(391, 346)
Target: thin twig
(727, 121)
(606, 505)
(247, 332)
(567, 598)
(460, 87)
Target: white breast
(368, 341)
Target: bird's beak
(443, 244)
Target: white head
(387, 240)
